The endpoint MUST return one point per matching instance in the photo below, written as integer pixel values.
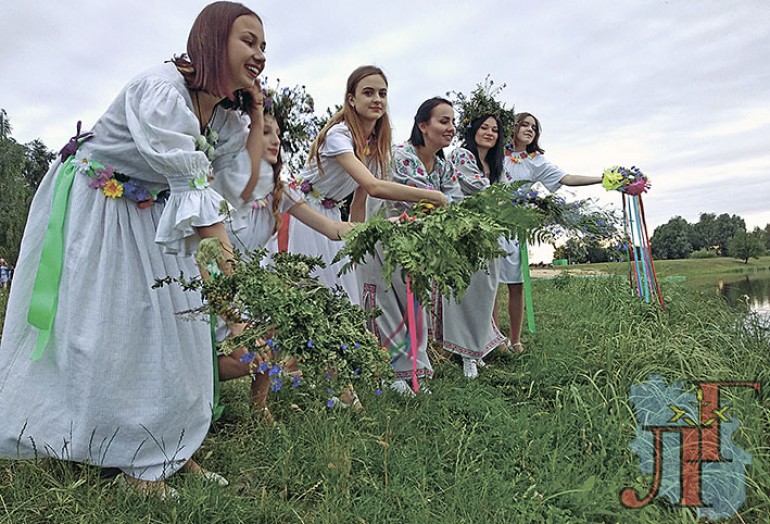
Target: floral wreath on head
(482, 102)
(293, 108)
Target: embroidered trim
(517, 157)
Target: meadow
(541, 437)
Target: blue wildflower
(296, 382)
(262, 367)
(276, 384)
(310, 343)
(331, 403)
(247, 358)
(270, 343)
(378, 392)
(356, 345)
(274, 370)
(328, 376)
(344, 347)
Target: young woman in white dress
(350, 155)
(117, 378)
(418, 163)
(467, 328)
(526, 162)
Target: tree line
(711, 236)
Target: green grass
(539, 438)
(688, 267)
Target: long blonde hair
(380, 148)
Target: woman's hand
(258, 101)
(437, 198)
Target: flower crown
(482, 102)
(293, 109)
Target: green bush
(703, 253)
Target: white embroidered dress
(325, 192)
(253, 224)
(125, 381)
(391, 327)
(533, 167)
(467, 328)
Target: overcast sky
(679, 88)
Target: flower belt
(311, 193)
(44, 300)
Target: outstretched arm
(580, 180)
(323, 224)
(384, 189)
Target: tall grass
(540, 437)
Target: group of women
(97, 367)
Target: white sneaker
(470, 368)
(402, 388)
(481, 363)
(424, 389)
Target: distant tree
(704, 232)
(745, 245)
(766, 237)
(38, 161)
(726, 227)
(14, 197)
(672, 239)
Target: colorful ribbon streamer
(527, 282)
(45, 292)
(217, 408)
(642, 273)
(411, 303)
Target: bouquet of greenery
(445, 247)
(288, 314)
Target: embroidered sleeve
(471, 179)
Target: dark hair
(379, 147)
(494, 155)
(535, 145)
(205, 65)
(423, 115)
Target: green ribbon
(217, 408)
(45, 292)
(527, 286)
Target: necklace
(207, 141)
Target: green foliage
(21, 169)
(671, 240)
(540, 437)
(744, 246)
(703, 253)
(290, 314)
(445, 247)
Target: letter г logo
(685, 441)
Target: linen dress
(125, 381)
(325, 192)
(467, 328)
(391, 327)
(519, 166)
(252, 226)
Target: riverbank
(687, 267)
(539, 437)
